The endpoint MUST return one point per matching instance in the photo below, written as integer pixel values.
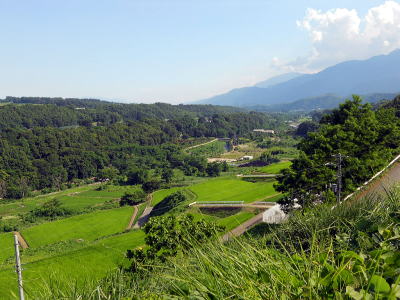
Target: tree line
(366, 138)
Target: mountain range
(379, 75)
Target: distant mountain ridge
(321, 102)
(379, 74)
(277, 79)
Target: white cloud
(341, 34)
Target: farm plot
(76, 199)
(275, 168)
(229, 222)
(233, 221)
(6, 246)
(210, 149)
(233, 189)
(93, 197)
(87, 227)
(226, 189)
(78, 266)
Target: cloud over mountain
(342, 34)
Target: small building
(247, 157)
(269, 131)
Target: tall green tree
(363, 136)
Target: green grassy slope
(232, 189)
(75, 198)
(6, 246)
(72, 266)
(226, 189)
(88, 227)
(275, 168)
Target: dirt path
(145, 214)
(143, 218)
(390, 179)
(21, 240)
(209, 142)
(135, 211)
(243, 227)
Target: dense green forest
(47, 142)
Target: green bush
(49, 210)
(133, 198)
(168, 203)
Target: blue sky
(180, 50)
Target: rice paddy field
(225, 189)
(76, 265)
(89, 227)
(77, 199)
(214, 148)
(229, 222)
(275, 168)
(90, 244)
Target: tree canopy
(367, 139)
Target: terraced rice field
(87, 227)
(226, 189)
(275, 168)
(90, 262)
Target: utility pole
(339, 159)
(18, 268)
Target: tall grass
(351, 251)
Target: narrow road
(133, 217)
(143, 218)
(146, 213)
(21, 240)
(389, 179)
(195, 146)
(243, 227)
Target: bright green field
(6, 246)
(225, 189)
(235, 220)
(232, 189)
(229, 222)
(87, 227)
(76, 199)
(212, 149)
(275, 168)
(76, 266)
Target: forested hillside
(29, 112)
(46, 142)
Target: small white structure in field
(264, 131)
(247, 157)
(274, 215)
